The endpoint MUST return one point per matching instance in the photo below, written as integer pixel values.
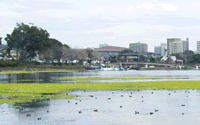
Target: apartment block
(169, 45)
(176, 47)
(198, 47)
(185, 44)
(160, 49)
(139, 47)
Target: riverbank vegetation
(20, 93)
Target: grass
(21, 93)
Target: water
(109, 112)
(50, 77)
(108, 107)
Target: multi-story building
(185, 44)
(198, 47)
(157, 50)
(169, 45)
(176, 47)
(107, 51)
(139, 47)
(160, 50)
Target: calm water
(108, 107)
(180, 107)
(50, 77)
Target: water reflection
(50, 77)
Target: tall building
(176, 47)
(139, 47)
(198, 47)
(157, 50)
(160, 49)
(169, 41)
(185, 44)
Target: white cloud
(9, 13)
(120, 30)
(170, 7)
(147, 6)
(130, 8)
(109, 37)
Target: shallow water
(50, 77)
(61, 112)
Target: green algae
(21, 93)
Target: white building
(185, 44)
(198, 47)
(176, 47)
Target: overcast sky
(88, 23)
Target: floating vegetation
(20, 92)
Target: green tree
(28, 40)
(152, 59)
(126, 51)
(196, 58)
(53, 52)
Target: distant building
(185, 44)
(198, 47)
(107, 51)
(102, 45)
(169, 45)
(176, 47)
(157, 49)
(160, 50)
(139, 47)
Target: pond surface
(50, 77)
(144, 107)
(112, 108)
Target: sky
(88, 23)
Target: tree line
(31, 41)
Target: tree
(28, 40)
(179, 57)
(196, 58)
(53, 52)
(126, 51)
(152, 59)
(188, 52)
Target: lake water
(144, 107)
(50, 77)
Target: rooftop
(110, 49)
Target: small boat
(108, 68)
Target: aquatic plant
(22, 92)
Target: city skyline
(118, 23)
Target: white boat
(108, 68)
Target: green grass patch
(21, 93)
